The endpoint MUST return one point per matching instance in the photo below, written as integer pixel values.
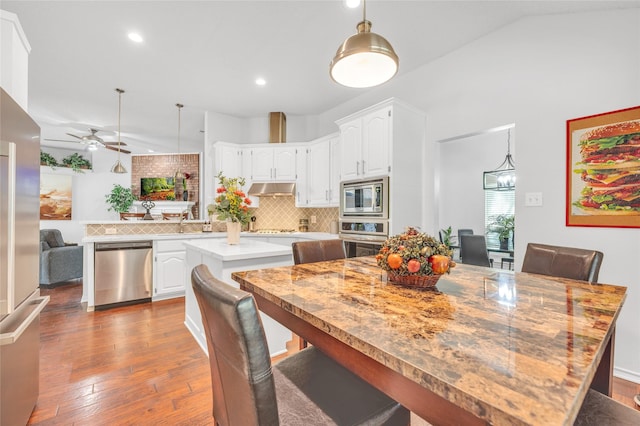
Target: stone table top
(511, 348)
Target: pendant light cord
(120, 92)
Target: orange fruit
(394, 261)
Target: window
(497, 203)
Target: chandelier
(503, 178)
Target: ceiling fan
(94, 141)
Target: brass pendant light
(179, 174)
(118, 167)
(365, 59)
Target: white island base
(222, 259)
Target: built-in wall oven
(363, 236)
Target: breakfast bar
(483, 346)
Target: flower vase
(233, 232)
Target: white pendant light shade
(365, 59)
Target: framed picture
(55, 197)
(603, 169)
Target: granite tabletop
(511, 348)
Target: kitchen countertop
(246, 249)
(204, 235)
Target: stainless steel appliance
(368, 198)
(20, 301)
(363, 236)
(123, 272)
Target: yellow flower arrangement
(231, 203)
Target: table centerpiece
(414, 259)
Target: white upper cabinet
(323, 172)
(366, 142)
(228, 160)
(273, 164)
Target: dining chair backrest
(171, 215)
(305, 389)
(241, 378)
(564, 262)
(317, 251)
(130, 215)
(461, 232)
(473, 250)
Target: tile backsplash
(282, 213)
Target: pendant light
(365, 59)
(179, 174)
(502, 178)
(118, 167)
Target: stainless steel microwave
(369, 198)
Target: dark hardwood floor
(133, 365)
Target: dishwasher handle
(124, 245)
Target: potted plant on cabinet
(120, 199)
(76, 162)
(47, 159)
(503, 225)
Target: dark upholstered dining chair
(306, 388)
(473, 250)
(563, 262)
(317, 251)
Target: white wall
(538, 73)
(89, 190)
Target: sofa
(58, 261)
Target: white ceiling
(207, 54)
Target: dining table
(483, 346)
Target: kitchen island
(222, 260)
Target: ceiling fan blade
(124, 151)
(60, 140)
(78, 137)
(114, 143)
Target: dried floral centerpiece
(414, 259)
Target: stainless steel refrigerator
(20, 301)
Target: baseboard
(629, 375)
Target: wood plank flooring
(134, 365)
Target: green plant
(120, 198)
(47, 159)
(503, 225)
(446, 236)
(170, 197)
(231, 203)
(76, 162)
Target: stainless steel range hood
(272, 189)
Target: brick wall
(163, 165)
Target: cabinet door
(171, 271)
(375, 142)
(284, 164)
(301, 179)
(334, 176)
(318, 174)
(228, 161)
(261, 164)
(350, 142)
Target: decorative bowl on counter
(414, 259)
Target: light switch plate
(533, 199)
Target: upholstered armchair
(58, 261)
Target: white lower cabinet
(170, 269)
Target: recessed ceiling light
(150, 150)
(135, 37)
(352, 3)
(261, 81)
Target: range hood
(272, 189)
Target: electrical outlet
(314, 219)
(533, 199)
(110, 231)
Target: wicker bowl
(422, 281)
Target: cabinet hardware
(358, 168)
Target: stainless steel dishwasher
(123, 272)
